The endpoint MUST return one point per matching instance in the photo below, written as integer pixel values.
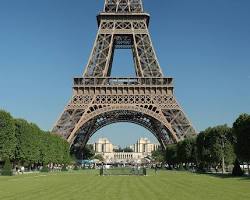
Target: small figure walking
(17, 170)
(22, 169)
(155, 168)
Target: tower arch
(99, 99)
(109, 115)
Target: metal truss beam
(99, 100)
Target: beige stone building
(143, 145)
(103, 145)
(142, 149)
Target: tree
(171, 155)
(61, 150)
(54, 149)
(186, 151)
(241, 128)
(66, 152)
(28, 142)
(45, 153)
(126, 149)
(82, 153)
(27, 149)
(202, 151)
(7, 136)
(7, 169)
(214, 147)
(36, 146)
(99, 157)
(237, 171)
(158, 155)
(88, 152)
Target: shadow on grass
(226, 176)
(217, 175)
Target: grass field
(88, 185)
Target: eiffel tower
(147, 99)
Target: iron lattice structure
(99, 100)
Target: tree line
(215, 148)
(25, 144)
(219, 147)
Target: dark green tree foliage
(26, 144)
(158, 155)
(241, 128)
(7, 169)
(237, 171)
(7, 136)
(64, 168)
(37, 143)
(45, 169)
(27, 149)
(35, 146)
(99, 157)
(126, 149)
(229, 153)
(213, 144)
(88, 152)
(186, 151)
(54, 149)
(76, 168)
(171, 155)
(84, 153)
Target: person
(22, 169)
(155, 168)
(17, 170)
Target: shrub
(181, 168)
(64, 168)
(237, 171)
(7, 169)
(187, 167)
(201, 168)
(101, 171)
(75, 167)
(45, 169)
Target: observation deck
(108, 85)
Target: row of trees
(211, 148)
(85, 153)
(26, 144)
(215, 147)
(126, 150)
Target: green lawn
(88, 185)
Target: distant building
(103, 146)
(143, 145)
(142, 149)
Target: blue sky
(203, 44)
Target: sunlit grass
(89, 185)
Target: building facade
(103, 145)
(143, 145)
(142, 149)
